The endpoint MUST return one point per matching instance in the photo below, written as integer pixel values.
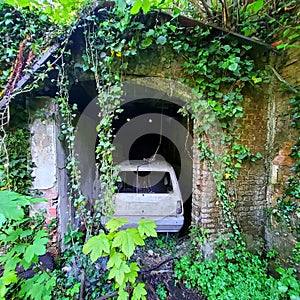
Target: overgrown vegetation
(120, 246)
(15, 158)
(22, 241)
(217, 70)
(235, 273)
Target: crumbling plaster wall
(48, 155)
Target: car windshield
(144, 182)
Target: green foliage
(161, 291)
(16, 25)
(70, 267)
(12, 205)
(235, 273)
(218, 70)
(62, 12)
(119, 246)
(23, 240)
(15, 158)
(165, 244)
(38, 287)
(287, 208)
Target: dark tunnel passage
(146, 127)
(153, 126)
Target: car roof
(156, 165)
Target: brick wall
(253, 178)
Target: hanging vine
(99, 59)
(217, 71)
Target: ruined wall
(265, 129)
(50, 165)
(253, 177)
(282, 138)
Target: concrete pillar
(50, 175)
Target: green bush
(23, 240)
(235, 273)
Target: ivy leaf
(146, 43)
(96, 246)
(127, 239)
(233, 66)
(147, 227)
(119, 273)
(161, 40)
(115, 260)
(226, 48)
(121, 6)
(139, 292)
(115, 223)
(282, 288)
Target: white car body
(149, 190)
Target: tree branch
(199, 10)
(207, 9)
(8, 94)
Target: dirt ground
(157, 270)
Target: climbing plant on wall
(216, 70)
(17, 174)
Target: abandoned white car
(149, 190)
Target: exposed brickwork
(206, 211)
(251, 184)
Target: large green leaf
(115, 223)
(2, 219)
(147, 227)
(255, 6)
(127, 239)
(115, 260)
(133, 274)
(38, 287)
(119, 273)
(123, 295)
(11, 204)
(37, 248)
(98, 246)
(139, 292)
(9, 277)
(136, 7)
